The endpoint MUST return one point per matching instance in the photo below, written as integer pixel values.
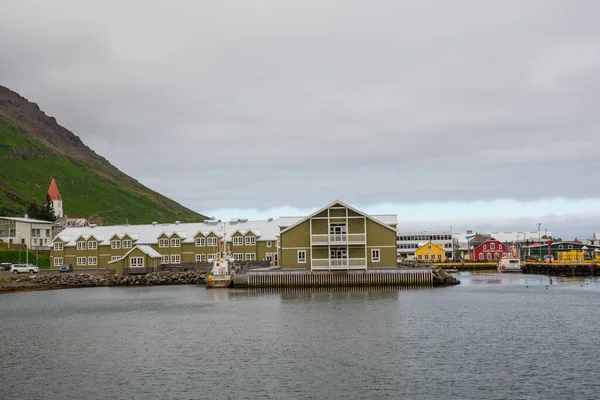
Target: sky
(465, 113)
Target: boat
(221, 275)
(509, 264)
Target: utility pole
(540, 240)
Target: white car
(24, 268)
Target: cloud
(265, 104)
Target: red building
(491, 249)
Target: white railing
(339, 238)
(338, 263)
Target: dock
(401, 277)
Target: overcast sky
(437, 110)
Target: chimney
(177, 222)
(92, 225)
(154, 223)
(26, 216)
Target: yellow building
(430, 252)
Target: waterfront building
(335, 237)
(543, 250)
(594, 240)
(409, 242)
(338, 237)
(33, 233)
(430, 252)
(491, 249)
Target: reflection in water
(528, 280)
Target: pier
(410, 277)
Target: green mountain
(34, 148)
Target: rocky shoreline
(64, 281)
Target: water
(492, 337)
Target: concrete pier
(409, 277)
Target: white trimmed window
(58, 246)
(200, 257)
(164, 259)
(114, 258)
(200, 242)
(81, 246)
(376, 255)
(481, 256)
(211, 241)
(210, 257)
(420, 257)
(489, 256)
(175, 258)
(127, 244)
(115, 244)
(58, 261)
(496, 256)
(269, 243)
(250, 256)
(238, 240)
(175, 242)
(163, 242)
(81, 260)
(92, 260)
(238, 256)
(92, 245)
(493, 246)
(301, 256)
(485, 246)
(439, 257)
(136, 262)
(250, 240)
(427, 256)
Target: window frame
(175, 259)
(200, 242)
(375, 258)
(58, 246)
(92, 260)
(59, 263)
(250, 240)
(175, 240)
(81, 245)
(163, 243)
(115, 244)
(137, 264)
(81, 261)
(237, 241)
(301, 260)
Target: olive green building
(336, 237)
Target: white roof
(148, 234)
(505, 237)
(27, 220)
(149, 251)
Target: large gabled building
(338, 237)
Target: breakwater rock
(42, 282)
(442, 278)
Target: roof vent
(270, 219)
(243, 219)
(26, 216)
(177, 222)
(92, 225)
(154, 223)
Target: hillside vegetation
(34, 148)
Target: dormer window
(127, 244)
(81, 246)
(211, 241)
(238, 241)
(175, 242)
(115, 244)
(250, 240)
(93, 245)
(200, 242)
(58, 246)
(163, 242)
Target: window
(114, 258)
(211, 257)
(136, 262)
(58, 261)
(238, 256)
(420, 257)
(439, 257)
(250, 256)
(200, 242)
(80, 245)
(163, 242)
(164, 259)
(301, 256)
(211, 241)
(127, 244)
(570, 246)
(92, 245)
(47, 232)
(200, 257)
(175, 242)
(560, 246)
(81, 260)
(489, 256)
(429, 247)
(496, 256)
(58, 246)
(375, 255)
(481, 256)
(175, 258)
(427, 256)
(92, 260)
(250, 240)
(115, 244)
(238, 241)
(493, 246)
(485, 246)
(269, 243)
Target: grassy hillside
(90, 186)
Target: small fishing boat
(509, 264)
(221, 275)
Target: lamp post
(540, 240)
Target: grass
(90, 188)
(20, 256)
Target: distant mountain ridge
(34, 148)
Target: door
(339, 257)
(337, 232)
(275, 259)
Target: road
(55, 271)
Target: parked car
(66, 268)
(5, 266)
(24, 268)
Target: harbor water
(509, 336)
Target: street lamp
(540, 241)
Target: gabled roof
(53, 192)
(245, 232)
(26, 220)
(487, 241)
(333, 203)
(147, 250)
(432, 244)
